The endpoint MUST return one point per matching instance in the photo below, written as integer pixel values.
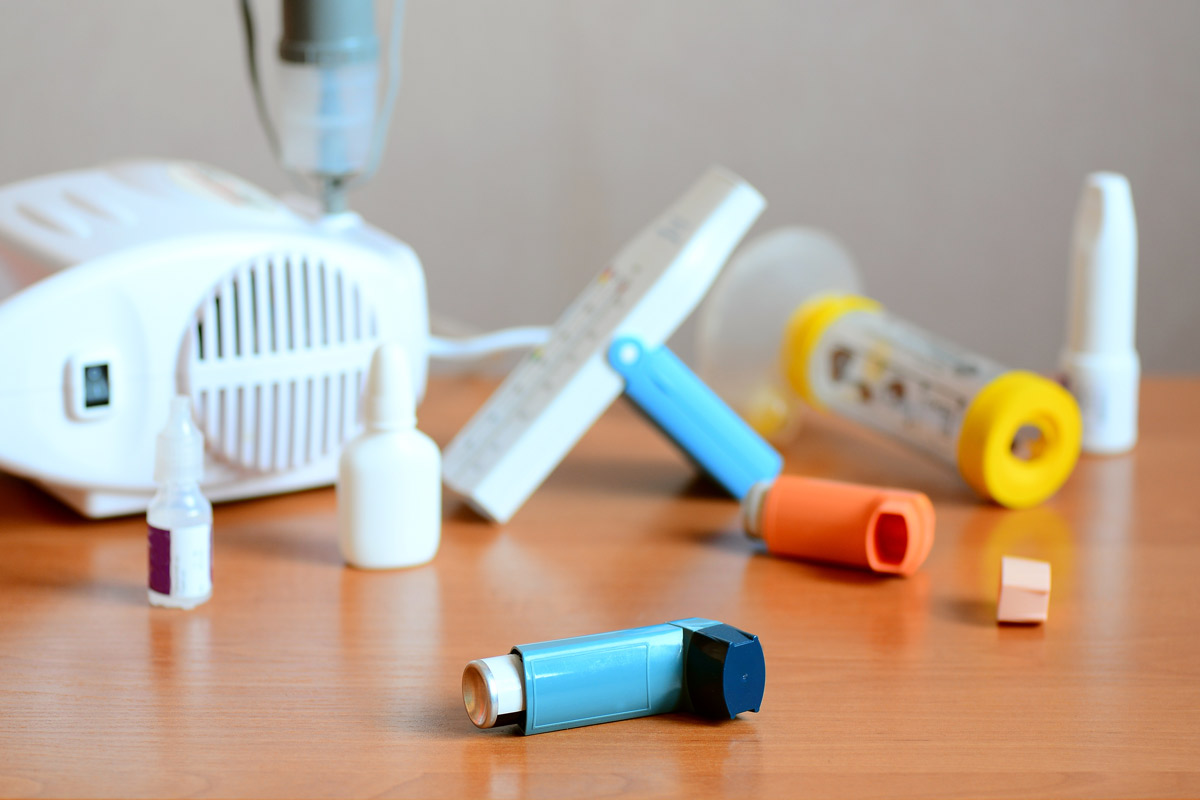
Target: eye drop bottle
(179, 516)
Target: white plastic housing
(181, 279)
(327, 116)
(1099, 363)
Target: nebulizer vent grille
(275, 359)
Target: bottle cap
(725, 671)
(179, 450)
(869, 527)
(390, 399)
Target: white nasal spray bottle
(389, 490)
(1099, 363)
(179, 516)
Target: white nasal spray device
(1100, 365)
(389, 488)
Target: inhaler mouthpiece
(885, 530)
(492, 688)
(179, 454)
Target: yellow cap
(1013, 403)
(804, 330)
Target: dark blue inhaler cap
(725, 670)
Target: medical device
(889, 531)
(126, 285)
(179, 519)
(330, 128)
(389, 489)
(559, 390)
(1013, 435)
(691, 415)
(697, 665)
(1099, 361)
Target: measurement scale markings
(927, 373)
(559, 355)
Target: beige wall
(944, 142)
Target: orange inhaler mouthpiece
(869, 527)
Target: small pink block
(1024, 590)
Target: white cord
(487, 344)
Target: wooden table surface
(304, 678)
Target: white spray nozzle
(179, 455)
(1104, 267)
(390, 399)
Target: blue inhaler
(697, 665)
(707, 430)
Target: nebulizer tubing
(486, 344)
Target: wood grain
(304, 678)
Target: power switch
(89, 381)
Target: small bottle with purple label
(179, 516)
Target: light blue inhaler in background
(694, 417)
(697, 665)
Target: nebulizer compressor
(141, 280)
